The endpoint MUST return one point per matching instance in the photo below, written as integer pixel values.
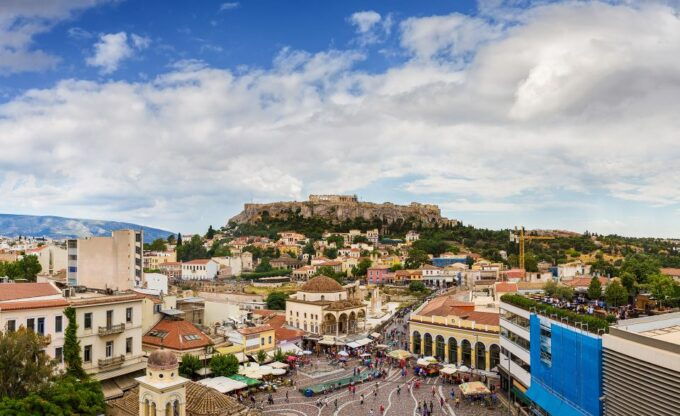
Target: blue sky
(547, 114)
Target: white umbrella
(343, 353)
(463, 369)
(278, 371)
(277, 364)
(265, 370)
(307, 352)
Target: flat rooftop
(660, 327)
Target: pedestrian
(433, 391)
(457, 402)
(335, 402)
(370, 413)
(431, 406)
(441, 401)
(398, 390)
(382, 409)
(362, 399)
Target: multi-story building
(110, 333)
(564, 361)
(447, 259)
(378, 275)
(642, 367)
(107, 262)
(153, 259)
(199, 269)
(412, 236)
(52, 258)
(454, 332)
(254, 339)
(38, 307)
(173, 270)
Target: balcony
(110, 363)
(113, 329)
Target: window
(30, 324)
(41, 326)
(515, 319)
(58, 323)
(262, 341)
(59, 354)
(270, 337)
(157, 308)
(128, 345)
(87, 354)
(109, 318)
(514, 338)
(88, 321)
(11, 325)
(109, 349)
(128, 315)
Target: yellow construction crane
(520, 237)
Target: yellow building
(153, 259)
(453, 332)
(258, 338)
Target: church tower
(162, 391)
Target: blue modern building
(447, 261)
(566, 369)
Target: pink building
(378, 275)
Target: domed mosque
(324, 307)
(163, 392)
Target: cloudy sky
(551, 114)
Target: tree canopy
(158, 244)
(26, 267)
(189, 365)
(615, 294)
(223, 365)
(192, 250)
(594, 288)
(276, 300)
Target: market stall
(428, 366)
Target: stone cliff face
(337, 212)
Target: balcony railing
(113, 329)
(112, 362)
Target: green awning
(243, 379)
(521, 396)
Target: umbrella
(463, 369)
(255, 375)
(307, 352)
(277, 364)
(448, 370)
(400, 354)
(343, 353)
(265, 370)
(278, 371)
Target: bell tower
(162, 391)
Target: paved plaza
(394, 393)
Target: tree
(416, 258)
(550, 288)
(189, 365)
(27, 268)
(662, 287)
(395, 267)
(337, 239)
(171, 239)
(192, 250)
(362, 267)
(564, 293)
(24, 366)
(261, 356)
(641, 266)
(264, 266)
(65, 397)
(416, 287)
(309, 249)
(359, 239)
(223, 365)
(179, 239)
(157, 245)
(615, 294)
(72, 359)
(330, 252)
(628, 281)
(595, 288)
(276, 300)
(210, 234)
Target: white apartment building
(515, 358)
(35, 306)
(110, 333)
(107, 262)
(200, 269)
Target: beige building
(454, 332)
(323, 307)
(153, 259)
(107, 262)
(52, 258)
(110, 333)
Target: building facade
(199, 269)
(114, 262)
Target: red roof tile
(505, 287)
(198, 261)
(33, 304)
(12, 291)
(172, 334)
(255, 329)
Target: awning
(205, 371)
(111, 390)
(327, 342)
(477, 387)
(125, 382)
(289, 348)
(549, 402)
(353, 345)
(376, 335)
(223, 384)
(277, 364)
(249, 381)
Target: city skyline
(174, 117)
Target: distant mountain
(60, 227)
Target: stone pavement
(397, 402)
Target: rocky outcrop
(339, 210)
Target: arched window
(175, 411)
(439, 347)
(416, 343)
(428, 344)
(495, 352)
(323, 297)
(466, 353)
(453, 351)
(480, 351)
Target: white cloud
(229, 6)
(113, 48)
(484, 120)
(370, 26)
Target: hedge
(273, 273)
(594, 324)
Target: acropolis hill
(339, 208)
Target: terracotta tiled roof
(200, 401)
(177, 335)
(282, 333)
(408, 272)
(32, 304)
(530, 285)
(505, 287)
(585, 281)
(379, 267)
(265, 312)
(255, 329)
(198, 261)
(330, 263)
(321, 284)
(428, 267)
(13, 291)
(444, 306)
(670, 271)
